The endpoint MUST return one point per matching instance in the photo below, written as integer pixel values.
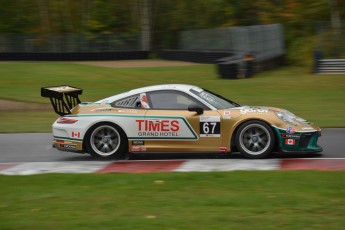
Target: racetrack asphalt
(28, 154)
(37, 147)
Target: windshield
(215, 100)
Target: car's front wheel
(106, 140)
(255, 139)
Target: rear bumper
(68, 144)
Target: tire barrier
(228, 70)
(230, 67)
(245, 65)
(87, 56)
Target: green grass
(31, 122)
(318, 98)
(217, 200)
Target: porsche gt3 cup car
(174, 118)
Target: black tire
(106, 141)
(255, 139)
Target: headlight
(285, 117)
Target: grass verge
(216, 200)
(26, 122)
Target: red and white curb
(143, 166)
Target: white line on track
(30, 168)
(231, 165)
(196, 165)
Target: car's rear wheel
(106, 140)
(255, 139)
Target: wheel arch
(98, 123)
(239, 123)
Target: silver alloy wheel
(105, 140)
(255, 139)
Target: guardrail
(330, 66)
(87, 56)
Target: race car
(174, 118)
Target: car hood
(257, 109)
(264, 109)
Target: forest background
(159, 22)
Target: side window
(172, 100)
(128, 102)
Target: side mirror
(195, 108)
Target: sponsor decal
(75, 134)
(209, 126)
(68, 146)
(101, 110)
(226, 115)
(290, 141)
(284, 135)
(250, 110)
(158, 128)
(138, 142)
(62, 88)
(290, 130)
(138, 149)
(206, 96)
(139, 127)
(307, 128)
(128, 111)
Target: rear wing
(63, 98)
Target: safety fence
(266, 41)
(263, 42)
(75, 56)
(68, 43)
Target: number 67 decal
(209, 126)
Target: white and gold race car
(174, 118)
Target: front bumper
(298, 142)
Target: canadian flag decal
(290, 142)
(75, 134)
